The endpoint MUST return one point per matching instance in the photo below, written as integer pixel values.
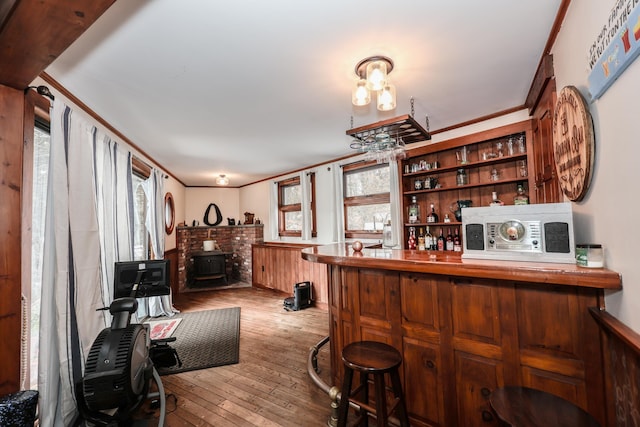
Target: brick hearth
(236, 239)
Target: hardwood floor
(270, 385)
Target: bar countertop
(435, 262)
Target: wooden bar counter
(466, 327)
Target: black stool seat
(526, 407)
(376, 359)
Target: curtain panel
(87, 228)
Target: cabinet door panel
(569, 388)
(547, 322)
(476, 376)
(373, 298)
(423, 388)
(476, 311)
(419, 298)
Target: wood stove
(209, 269)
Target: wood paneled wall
(280, 266)
(621, 348)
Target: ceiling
(254, 89)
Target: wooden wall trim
(12, 105)
(71, 97)
(286, 245)
(611, 324)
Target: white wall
(177, 190)
(197, 199)
(609, 212)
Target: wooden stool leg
(397, 391)
(381, 399)
(364, 397)
(343, 409)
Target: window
(140, 173)
(290, 208)
(41, 149)
(367, 203)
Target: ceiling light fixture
(373, 76)
(222, 180)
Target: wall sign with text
(573, 143)
(615, 47)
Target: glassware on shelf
(414, 211)
(433, 216)
(462, 155)
(521, 198)
(522, 148)
(495, 201)
(495, 175)
(499, 147)
(461, 177)
(522, 168)
(510, 146)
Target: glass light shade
(222, 180)
(361, 95)
(376, 75)
(387, 98)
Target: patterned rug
(205, 339)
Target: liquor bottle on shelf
(521, 197)
(457, 244)
(441, 241)
(449, 241)
(428, 240)
(495, 201)
(412, 238)
(414, 211)
(433, 216)
(421, 243)
(446, 218)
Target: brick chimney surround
(233, 239)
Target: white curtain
(305, 186)
(87, 228)
(339, 205)
(154, 221)
(113, 187)
(396, 215)
(273, 221)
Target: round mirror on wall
(169, 213)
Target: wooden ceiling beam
(33, 33)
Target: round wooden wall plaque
(573, 143)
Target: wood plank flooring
(270, 385)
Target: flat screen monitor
(153, 277)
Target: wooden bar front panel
(463, 337)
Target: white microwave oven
(538, 232)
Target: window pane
(368, 217)
(293, 221)
(292, 194)
(367, 181)
(140, 237)
(41, 144)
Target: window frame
(283, 209)
(370, 199)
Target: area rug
(160, 329)
(205, 339)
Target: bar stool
(526, 407)
(377, 359)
